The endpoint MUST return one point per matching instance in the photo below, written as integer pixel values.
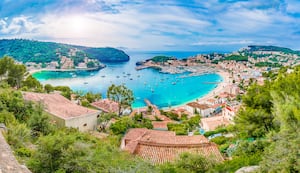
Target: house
(165, 146)
(211, 123)
(107, 106)
(161, 125)
(232, 89)
(203, 109)
(229, 112)
(211, 101)
(64, 112)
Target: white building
(64, 112)
(203, 109)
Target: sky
(183, 25)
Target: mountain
(253, 48)
(40, 52)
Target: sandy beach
(219, 88)
(216, 91)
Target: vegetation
(124, 123)
(272, 48)
(106, 54)
(161, 59)
(266, 131)
(44, 52)
(236, 58)
(122, 95)
(185, 126)
(267, 64)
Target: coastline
(32, 71)
(214, 92)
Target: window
(85, 125)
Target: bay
(164, 90)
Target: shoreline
(217, 90)
(65, 70)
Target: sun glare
(77, 24)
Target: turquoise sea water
(164, 90)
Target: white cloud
(17, 25)
(239, 42)
(158, 25)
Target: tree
(31, 82)
(194, 163)
(283, 154)
(48, 88)
(16, 75)
(92, 97)
(104, 120)
(122, 95)
(90, 64)
(126, 122)
(5, 63)
(254, 122)
(39, 122)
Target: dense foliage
(267, 64)
(107, 54)
(124, 123)
(236, 58)
(122, 95)
(161, 58)
(43, 52)
(271, 48)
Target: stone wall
(8, 162)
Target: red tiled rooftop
(106, 105)
(58, 105)
(160, 124)
(164, 146)
(212, 123)
(197, 105)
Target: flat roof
(58, 105)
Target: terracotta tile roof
(161, 117)
(197, 105)
(212, 123)
(106, 105)
(160, 124)
(165, 146)
(58, 105)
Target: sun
(77, 24)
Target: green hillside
(253, 48)
(41, 52)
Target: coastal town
(164, 133)
(68, 60)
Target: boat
(131, 79)
(173, 83)
(85, 83)
(103, 76)
(118, 76)
(152, 90)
